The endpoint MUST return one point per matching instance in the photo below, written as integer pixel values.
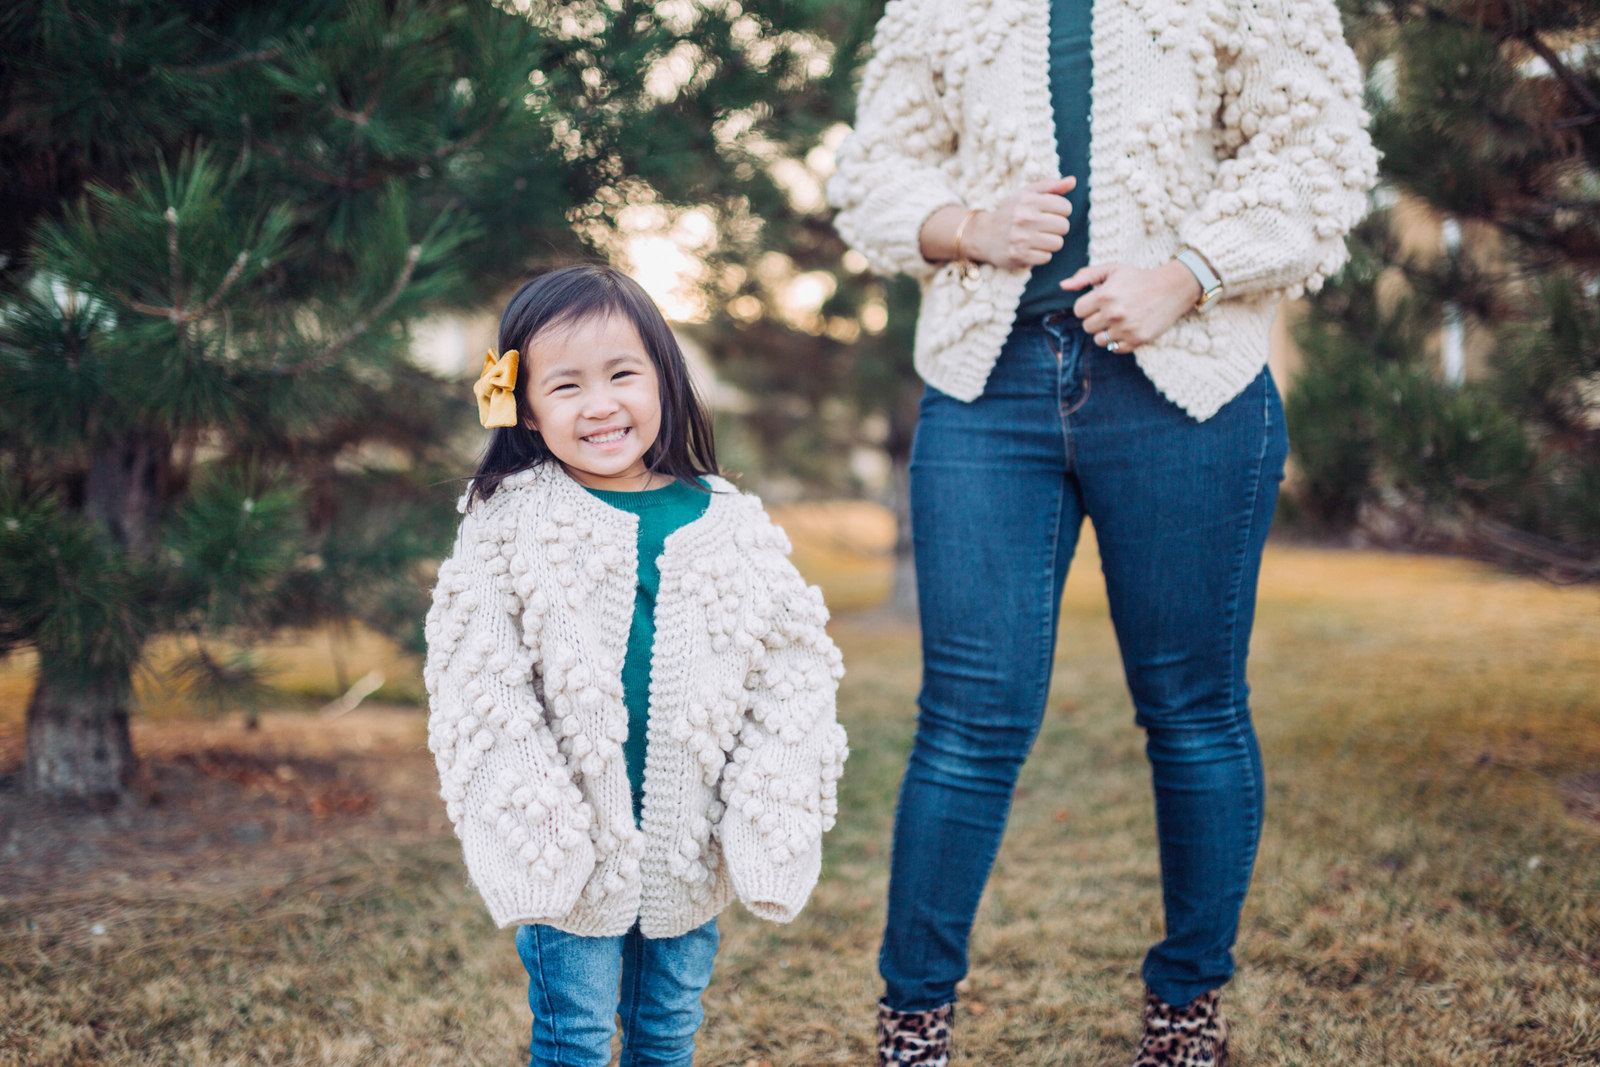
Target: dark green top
(660, 512)
(1070, 89)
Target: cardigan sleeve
(522, 821)
(1301, 165)
(782, 781)
(890, 176)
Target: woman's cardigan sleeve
(890, 177)
(523, 824)
(781, 784)
(1301, 162)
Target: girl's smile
(606, 438)
(596, 401)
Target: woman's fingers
(1027, 228)
(1051, 223)
(1047, 241)
(1053, 186)
(1027, 246)
(1130, 306)
(1097, 322)
(1052, 210)
(1093, 274)
(1030, 256)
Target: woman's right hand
(1023, 231)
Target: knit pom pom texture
(526, 640)
(1231, 126)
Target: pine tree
(1490, 115)
(837, 376)
(220, 219)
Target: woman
(1094, 355)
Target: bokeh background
(250, 258)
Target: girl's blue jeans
(999, 489)
(573, 989)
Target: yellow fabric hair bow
(497, 403)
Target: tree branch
(265, 55)
(1581, 206)
(450, 148)
(176, 312)
(175, 265)
(1532, 39)
(228, 280)
(362, 325)
(1562, 71)
(356, 329)
(148, 309)
(306, 170)
(1564, 564)
(355, 118)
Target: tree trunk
(902, 433)
(126, 489)
(79, 749)
(903, 595)
(78, 744)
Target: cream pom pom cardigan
(1230, 126)
(526, 641)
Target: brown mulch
(216, 807)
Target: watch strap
(1210, 284)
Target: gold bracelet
(967, 268)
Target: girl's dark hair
(683, 448)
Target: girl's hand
(1023, 231)
(1129, 305)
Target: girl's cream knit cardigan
(526, 640)
(1231, 126)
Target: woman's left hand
(1132, 306)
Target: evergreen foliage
(220, 219)
(1489, 114)
(817, 370)
(827, 379)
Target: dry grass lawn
(1428, 890)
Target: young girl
(632, 694)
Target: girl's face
(596, 401)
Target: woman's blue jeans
(573, 985)
(999, 490)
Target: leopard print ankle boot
(1195, 1035)
(914, 1038)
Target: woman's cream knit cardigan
(526, 640)
(1231, 126)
